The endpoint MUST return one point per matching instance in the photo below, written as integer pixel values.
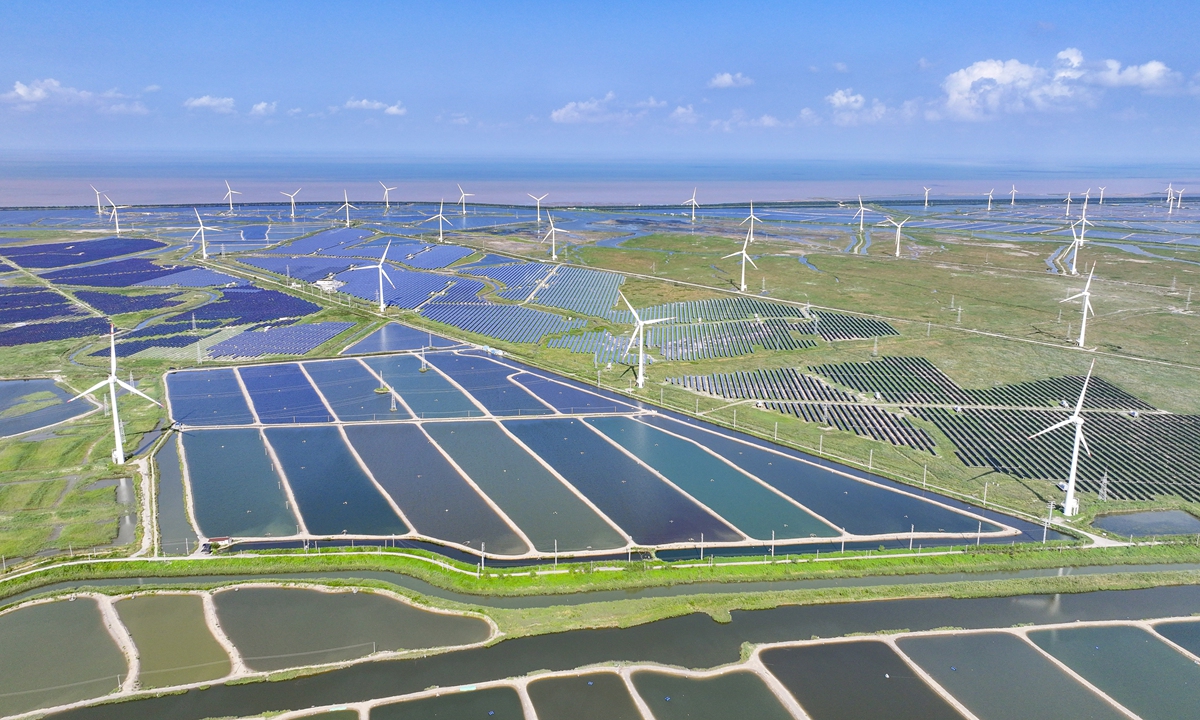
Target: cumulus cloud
(851, 108)
(739, 119)
(845, 100)
(729, 80)
(989, 88)
(50, 92)
(841, 67)
(263, 108)
(808, 116)
(591, 110)
(652, 103)
(397, 109)
(686, 115)
(222, 105)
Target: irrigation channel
(1107, 654)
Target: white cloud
(739, 119)
(397, 109)
(850, 108)
(1153, 74)
(651, 103)
(809, 117)
(295, 111)
(845, 100)
(222, 105)
(590, 111)
(924, 64)
(263, 108)
(841, 67)
(686, 115)
(151, 88)
(729, 80)
(50, 92)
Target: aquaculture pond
(731, 695)
(31, 404)
(176, 535)
(1153, 522)
(594, 696)
(351, 391)
(488, 383)
(567, 398)
(173, 642)
(427, 394)
(235, 491)
(394, 337)
(499, 703)
(207, 397)
(282, 394)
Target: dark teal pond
(207, 397)
(31, 404)
(594, 696)
(428, 393)
(733, 695)
(281, 394)
(488, 383)
(394, 337)
(235, 491)
(544, 508)
(349, 388)
(176, 536)
(567, 398)
(1155, 522)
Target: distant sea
(27, 179)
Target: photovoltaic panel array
(589, 292)
(836, 326)
(45, 332)
(290, 340)
(308, 269)
(323, 243)
(710, 310)
(54, 255)
(411, 287)
(513, 323)
(26, 304)
(115, 304)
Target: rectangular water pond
(748, 505)
(428, 394)
(999, 676)
(567, 398)
(1131, 666)
(863, 679)
(1184, 634)
(859, 507)
(176, 535)
(350, 389)
(596, 696)
(281, 394)
(488, 383)
(540, 504)
(432, 494)
(231, 478)
(208, 397)
(733, 695)
(499, 703)
(394, 337)
(174, 644)
(651, 511)
(1154, 522)
(334, 494)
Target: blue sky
(1088, 84)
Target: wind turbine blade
(135, 391)
(195, 234)
(90, 390)
(749, 260)
(726, 257)
(1083, 439)
(635, 315)
(629, 347)
(383, 257)
(1053, 427)
(385, 277)
(1083, 392)
(1073, 297)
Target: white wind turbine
(639, 334)
(346, 206)
(1013, 193)
(750, 219)
(441, 218)
(692, 201)
(229, 193)
(990, 199)
(1070, 504)
(1170, 197)
(387, 203)
(926, 196)
(99, 209)
(292, 197)
(745, 258)
(1179, 198)
(200, 231)
(1076, 246)
(462, 199)
(382, 275)
(114, 217)
(861, 215)
(1086, 296)
(1101, 196)
(1068, 202)
(898, 226)
(539, 200)
(112, 381)
(552, 235)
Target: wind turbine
(1076, 246)
(750, 219)
(1086, 294)
(440, 217)
(639, 334)
(1101, 196)
(539, 200)
(1170, 197)
(551, 234)
(861, 215)
(926, 196)
(692, 201)
(745, 258)
(112, 381)
(292, 197)
(114, 217)
(387, 203)
(1070, 504)
(200, 231)
(990, 199)
(1013, 202)
(1068, 202)
(462, 198)
(1179, 198)
(99, 209)
(346, 206)
(898, 226)
(229, 193)
(382, 275)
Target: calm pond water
(651, 511)
(501, 703)
(231, 479)
(176, 536)
(174, 644)
(62, 646)
(596, 696)
(733, 695)
(275, 628)
(750, 506)
(17, 414)
(855, 680)
(394, 337)
(690, 641)
(207, 397)
(432, 494)
(999, 676)
(281, 394)
(350, 389)
(567, 398)
(1131, 666)
(544, 508)
(428, 394)
(334, 494)
(1156, 522)
(1184, 634)
(488, 383)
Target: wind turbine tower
(382, 275)
(229, 193)
(552, 236)
(639, 334)
(346, 206)
(898, 226)
(114, 217)
(99, 209)
(745, 258)
(441, 218)
(1086, 296)
(1070, 503)
(112, 381)
(1068, 202)
(539, 200)
(462, 199)
(1013, 193)
(692, 201)
(200, 231)
(292, 197)
(926, 196)
(861, 215)
(387, 203)
(1101, 196)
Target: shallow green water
(999, 676)
(1131, 666)
(54, 654)
(176, 536)
(726, 697)
(174, 644)
(275, 628)
(598, 696)
(231, 479)
(501, 703)
(542, 506)
(751, 507)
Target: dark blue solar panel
(437, 256)
(193, 277)
(488, 260)
(125, 349)
(412, 288)
(293, 340)
(252, 306)
(19, 297)
(52, 255)
(44, 332)
(121, 273)
(324, 242)
(113, 304)
(308, 269)
(505, 322)
(38, 312)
